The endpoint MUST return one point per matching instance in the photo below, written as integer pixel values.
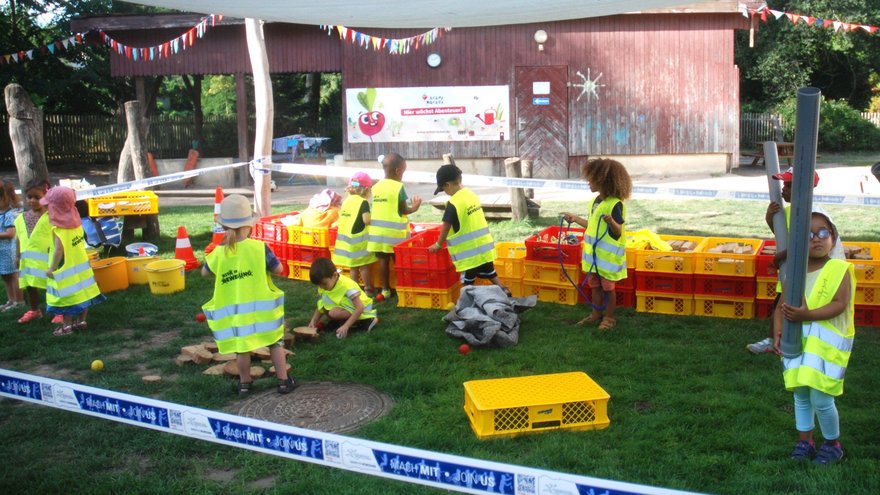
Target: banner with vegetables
(440, 113)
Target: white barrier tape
(137, 185)
(564, 185)
(449, 472)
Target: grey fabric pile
(485, 316)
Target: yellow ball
(450, 306)
(97, 365)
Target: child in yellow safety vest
(350, 249)
(34, 235)
(389, 224)
(9, 210)
(465, 230)
(246, 311)
(71, 287)
(341, 300)
(604, 247)
(816, 375)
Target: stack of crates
(305, 245)
(867, 271)
(724, 283)
(766, 277)
(665, 282)
(273, 232)
(552, 254)
(424, 279)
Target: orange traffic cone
(218, 229)
(183, 249)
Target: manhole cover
(324, 406)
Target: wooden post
(241, 127)
(517, 197)
(527, 173)
(265, 109)
(135, 144)
(26, 134)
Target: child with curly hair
(604, 247)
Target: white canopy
(416, 13)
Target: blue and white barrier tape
(450, 472)
(137, 185)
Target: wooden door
(541, 97)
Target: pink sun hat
(361, 179)
(61, 202)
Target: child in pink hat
(350, 250)
(71, 286)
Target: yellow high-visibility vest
(610, 254)
(472, 245)
(351, 249)
(339, 297)
(387, 226)
(34, 251)
(74, 281)
(247, 310)
(826, 349)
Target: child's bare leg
(243, 362)
(596, 302)
(367, 274)
(610, 303)
(279, 360)
(383, 272)
(33, 298)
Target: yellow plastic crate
(376, 277)
(122, 204)
(766, 288)
(504, 407)
(427, 298)
(299, 270)
(740, 265)
(548, 272)
(867, 270)
(663, 303)
(509, 259)
(515, 285)
(727, 307)
(668, 261)
(560, 294)
(867, 294)
(309, 236)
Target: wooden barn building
(657, 90)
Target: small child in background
(604, 247)
(350, 249)
(34, 239)
(389, 210)
(9, 210)
(816, 376)
(246, 311)
(341, 299)
(465, 230)
(71, 288)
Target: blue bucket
(134, 249)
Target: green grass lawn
(690, 408)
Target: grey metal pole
(805, 141)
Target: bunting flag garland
(161, 51)
(394, 46)
(795, 19)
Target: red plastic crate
(764, 266)
(669, 283)
(867, 316)
(716, 285)
(427, 279)
(270, 228)
(763, 308)
(306, 253)
(546, 251)
(413, 253)
(279, 249)
(626, 298)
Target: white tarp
(415, 13)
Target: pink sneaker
(57, 319)
(31, 315)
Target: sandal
(607, 323)
(287, 386)
(594, 317)
(80, 326)
(244, 388)
(63, 330)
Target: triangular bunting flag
(51, 48)
(15, 57)
(30, 54)
(836, 25)
(777, 14)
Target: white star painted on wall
(590, 86)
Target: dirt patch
(262, 484)
(221, 475)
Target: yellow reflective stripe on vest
(387, 224)
(457, 240)
(31, 255)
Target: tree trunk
(194, 90)
(264, 112)
(313, 100)
(518, 205)
(527, 174)
(135, 144)
(26, 134)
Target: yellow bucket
(137, 275)
(166, 276)
(93, 253)
(110, 273)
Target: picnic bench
(783, 150)
(495, 206)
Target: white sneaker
(10, 305)
(761, 346)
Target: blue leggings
(809, 402)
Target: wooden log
(517, 196)
(135, 142)
(265, 111)
(26, 134)
(527, 173)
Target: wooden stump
(517, 196)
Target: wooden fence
(757, 127)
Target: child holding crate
(246, 311)
(71, 288)
(816, 376)
(350, 249)
(604, 248)
(33, 235)
(342, 301)
(9, 210)
(389, 224)
(465, 230)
